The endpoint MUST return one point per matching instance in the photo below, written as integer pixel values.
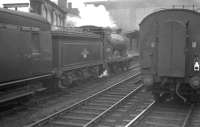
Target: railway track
(84, 88)
(193, 117)
(167, 115)
(123, 105)
(120, 114)
(87, 111)
(8, 96)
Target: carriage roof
(23, 19)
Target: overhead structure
(128, 13)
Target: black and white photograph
(99, 63)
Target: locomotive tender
(170, 54)
(77, 56)
(30, 54)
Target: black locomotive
(30, 54)
(170, 52)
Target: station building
(55, 14)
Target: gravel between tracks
(27, 115)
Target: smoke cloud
(91, 15)
(129, 13)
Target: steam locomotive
(115, 47)
(30, 54)
(170, 54)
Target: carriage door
(171, 57)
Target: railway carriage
(114, 48)
(25, 53)
(25, 50)
(170, 52)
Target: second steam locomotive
(170, 54)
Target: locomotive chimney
(62, 4)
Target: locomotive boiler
(170, 54)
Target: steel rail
(146, 110)
(44, 120)
(142, 114)
(187, 118)
(100, 116)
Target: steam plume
(91, 15)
